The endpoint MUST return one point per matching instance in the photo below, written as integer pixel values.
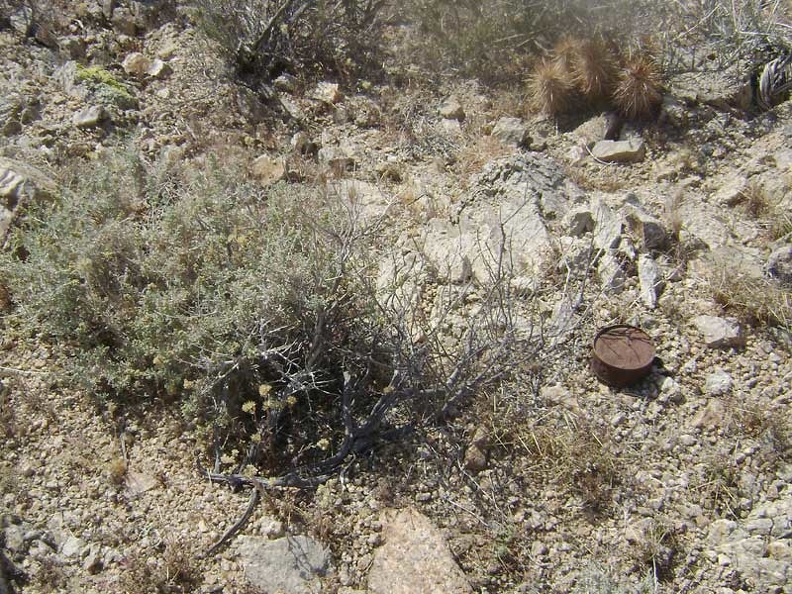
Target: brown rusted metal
(622, 355)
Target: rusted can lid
(622, 355)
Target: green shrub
(255, 310)
(240, 304)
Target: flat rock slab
(415, 558)
(290, 565)
(619, 151)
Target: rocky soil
(553, 482)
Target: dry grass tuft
(552, 87)
(594, 69)
(578, 456)
(755, 300)
(638, 92)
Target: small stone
(14, 538)
(136, 64)
(650, 279)
(267, 170)
(607, 226)
(93, 560)
(336, 158)
(512, 131)
(291, 564)
(451, 109)
(90, 117)
(718, 383)
(327, 92)
(610, 274)
(732, 190)
(671, 391)
(719, 332)
(302, 144)
(286, 83)
(538, 549)
(779, 265)
(415, 558)
(475, 459)
(619, 151)
(711, 416)
(580, 221)
(271, 527)
(646, 229)
(72, 547)
(124, 22)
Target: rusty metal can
(622, 355)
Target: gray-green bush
(241, 304)
(255, 310)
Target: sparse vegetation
(332, 340)
(252, 310)
(262, 39)
(756, 300)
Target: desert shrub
(264, 38)
(209, 292)
(254, 310)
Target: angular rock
(646, 228)
(136, 64)
(415, 558)
(475, 459)
(140, 66)
(779, 265)
(720, 333)
(650, 280)
(286, 83)
(91, 117)
(302, 144)
(20, 184)
(124, 22)
(476, 455)
(580, 221)
(512, 131)
(292, 564)
(619, 151)
(451, 109)
(611, 274)
(501, 219)
(714, 87)
(732, 190)
(757, 549)
(711, 416)
(327, 92)
(366, 200)
(72, 547)
(607, 226)
(337, 158)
